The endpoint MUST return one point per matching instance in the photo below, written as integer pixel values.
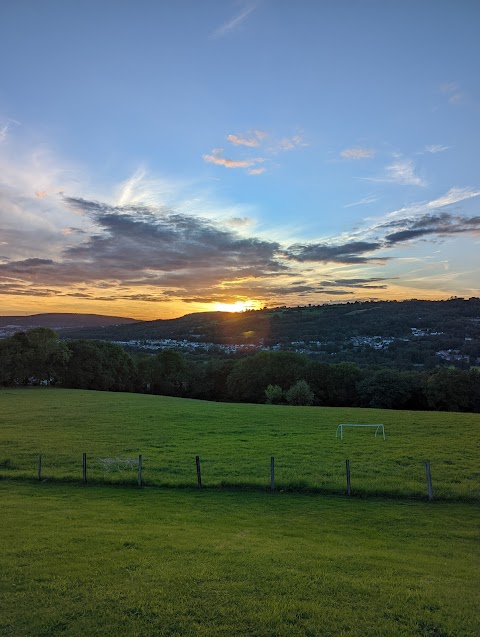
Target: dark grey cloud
(441, 225)
(141, 238)
(351, 252)
(178, 256)
(367, 284)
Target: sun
(238, 306)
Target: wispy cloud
(3, 132)
(216, 159)
(5, 126)
(370, 198)
(270, 147)
(289, 143)
(452, 196)
(358, 152)
(401, 171)
(232, 24)
(251, 139)
(453, 92)
(436, 148)
(240, 222)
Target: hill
(458, 317)
(403, 334)
(62, 321)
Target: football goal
(377, 429)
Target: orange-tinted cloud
(251, 139)
(232, 163)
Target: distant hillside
(456, 317)
(59, 321)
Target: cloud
(3, 132)
(232, 163)
(72, 230)
(368, 284)
(251, 139)
(141, 246)
(436, 148)
(357, 152)
(452, 196)
(234, 23)
(240, 222)
(454, 93)
(441, 225)
(351, 252)
(289, 143)
(403, 172)
(371, 198)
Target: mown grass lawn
(119, 561)
(235, 442)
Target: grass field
(110, 560)
(105, 561)
(235, 443)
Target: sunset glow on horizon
(182, 173)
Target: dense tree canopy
(38, 357)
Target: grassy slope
(124, 562)
(235, 443)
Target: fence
(130, 470)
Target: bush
(300, 394)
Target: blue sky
(159, 158)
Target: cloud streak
(216, 159)
(232, 24)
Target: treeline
(39, 357)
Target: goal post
(378, 427)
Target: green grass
(235, 442)
(110, 560)
(105, 561)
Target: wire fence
(411, 479)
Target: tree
(170, 374)
(300, 394)
(388, 389)
(273, 395)
(454, 390)
(250, 376)
(48, 356)
(34, 356)
(99, 365)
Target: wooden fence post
(429, 480)
(84, 468)
(39, 466)
(140, 470)
(347, 467)
(199, 473)
(272, 473)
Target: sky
(159, 158)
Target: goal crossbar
(377, 429)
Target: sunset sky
(162, 157)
